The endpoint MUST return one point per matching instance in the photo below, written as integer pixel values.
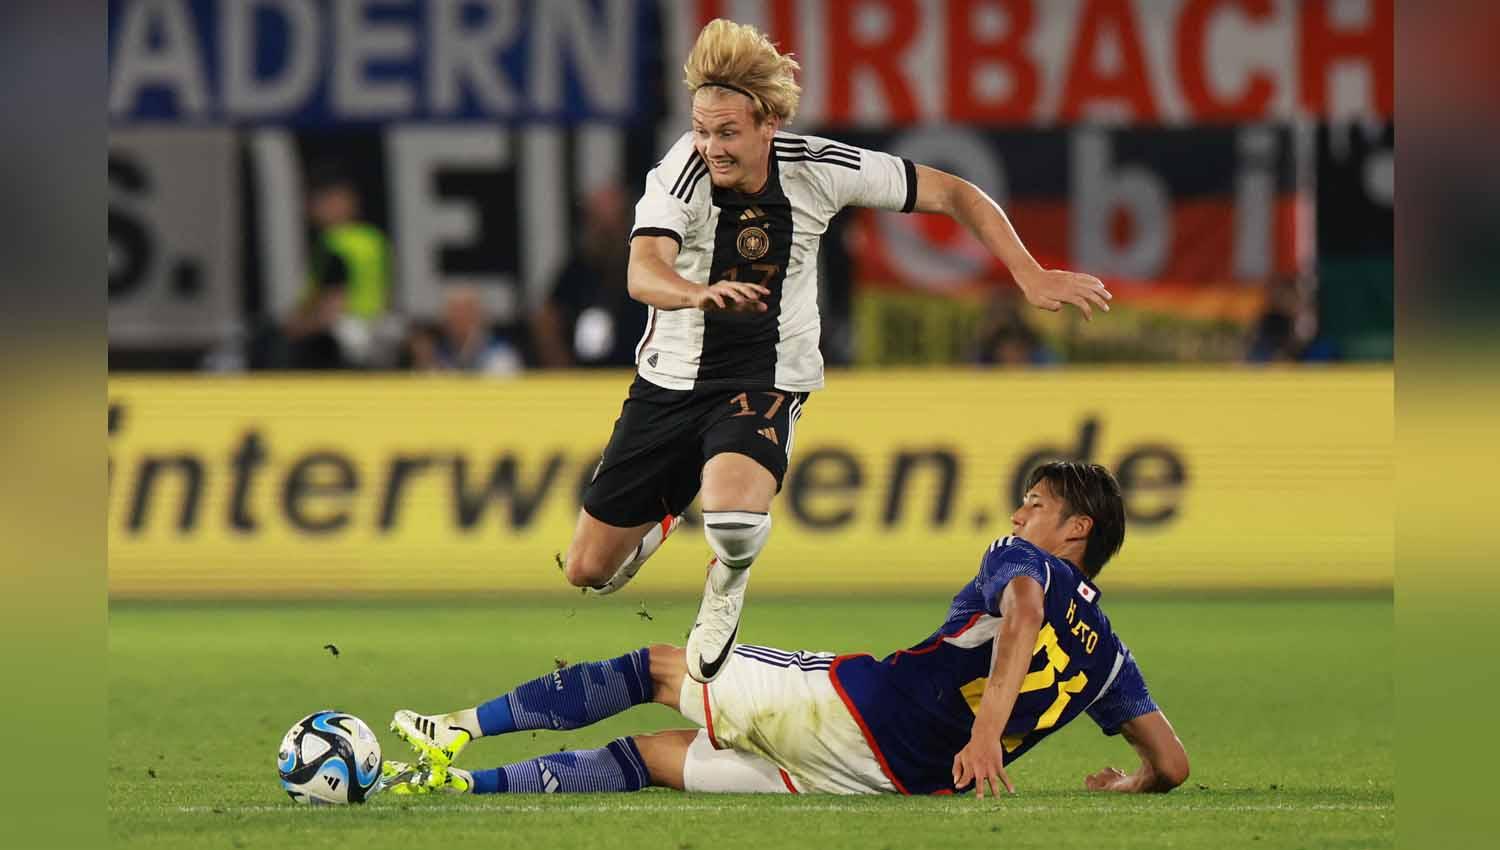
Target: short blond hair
(740, 58)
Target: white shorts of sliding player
(785, 724)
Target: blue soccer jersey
(916, 706)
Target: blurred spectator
(1287, 332)
(589, 319)
(465, 341)
(334, 325)
(1006, 339)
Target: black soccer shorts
(653, 465)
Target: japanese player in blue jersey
(1024, 649)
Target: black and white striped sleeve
(665, 209)
(863, 177)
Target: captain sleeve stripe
(911, 186)
(657, 231)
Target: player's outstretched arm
(941, 192)
(982, 760)
(652, 281)
(1164, 761)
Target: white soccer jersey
(770, 238)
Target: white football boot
(437, 738)
(404, 779)
(712, 639)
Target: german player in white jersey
(724, 253)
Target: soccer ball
(329, 758)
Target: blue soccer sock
(571, 697)
(615, 767)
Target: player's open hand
(1049, 289)
(734, 297)
(1108, 779)
(981, 762)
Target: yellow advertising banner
(331, 486)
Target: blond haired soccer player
(1024, 649)
(725, 253)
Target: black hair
(1091, 490)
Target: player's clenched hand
(1049, 289)
(734, 296)
(1108, 779)
(982, 762)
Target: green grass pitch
(1285, 705)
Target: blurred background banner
(174, 226)
(329, 486)
(449, 168)
(331, 188)
(900, 62)
(1186, 224)
(334, 62)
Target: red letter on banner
(1192, 48)
(966, 53)
(1086, 83)
(708, 10)
(1322, 47)
(845, 57)
(784, 25)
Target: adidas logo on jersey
(769, 434)
(752, 214)
(651, 361)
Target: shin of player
(573, 697)
(737, 493)
(578, 568)
(570, 697)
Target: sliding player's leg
(565, 699)
(568, 698)
(708, 770)
(617, 766)
(681, 759)
(685, 760)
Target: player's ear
(1079, 526)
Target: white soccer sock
(650, 542)
(736, 538)
(726, 579)
(648, 546)
(468, 718)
